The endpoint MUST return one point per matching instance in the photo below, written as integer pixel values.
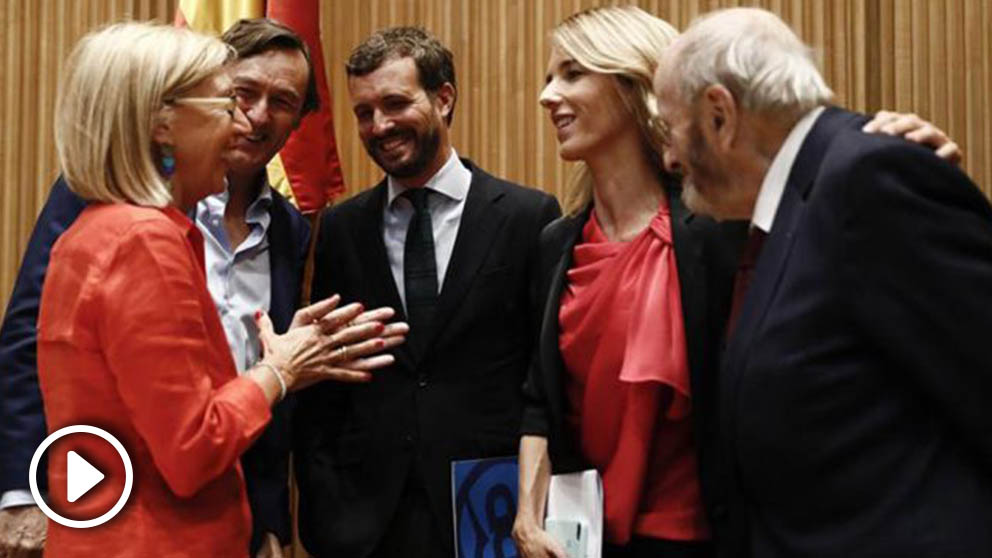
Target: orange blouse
(129, 340)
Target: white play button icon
(80, 476)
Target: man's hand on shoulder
(913, 128)
(22, 532)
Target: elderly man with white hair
(855, 386)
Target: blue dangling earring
(168, 161)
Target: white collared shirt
(239, 280)
(450, 186)
(773, 186)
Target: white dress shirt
(450, 189)
(239, 280)
(773, 186)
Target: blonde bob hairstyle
(626, 42)
(115, 84)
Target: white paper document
(578, 498)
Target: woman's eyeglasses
(230, 104)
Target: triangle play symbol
(80, 476)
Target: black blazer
(22, 420)
(358, 443)
(706, 254)
(855, 391)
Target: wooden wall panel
(933, 57)
(37, 36)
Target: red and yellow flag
(307, 170)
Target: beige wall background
(932, 57)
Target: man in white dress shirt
(455, 248)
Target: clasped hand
(325, 342)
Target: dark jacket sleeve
(536, 419)
(22, 420)
(920, 273)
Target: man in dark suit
(275, 90)
(456, 249)
(854, 415)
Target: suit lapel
(480, 223)
(691, 267)
(282, 267)
(376, 263)
(548, 350)
(789, 216)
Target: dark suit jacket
(706, 253)
(855, 391)
(358, 443)
(22, 422)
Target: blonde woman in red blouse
(129, 339)
(638, 293)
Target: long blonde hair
(626, 42)
(116, 81)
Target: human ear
(162, 132)
(445, 98)
(721, 116)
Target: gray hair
(756, 56)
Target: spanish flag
(307, 170)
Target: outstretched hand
(325, 342)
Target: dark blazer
(22, 418)
(854, 395)
(706, 253)
(358, 443)
(266, 463)
(22, 421)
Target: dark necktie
(419, 269)
(744, 275)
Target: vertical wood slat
(933, 57)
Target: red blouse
(623, 342)
(129, 340)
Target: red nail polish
(258, 314)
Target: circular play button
(80, 474)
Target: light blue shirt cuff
(13, 498)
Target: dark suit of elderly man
(853, 404)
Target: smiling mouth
(391, 144)
(562, 121)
